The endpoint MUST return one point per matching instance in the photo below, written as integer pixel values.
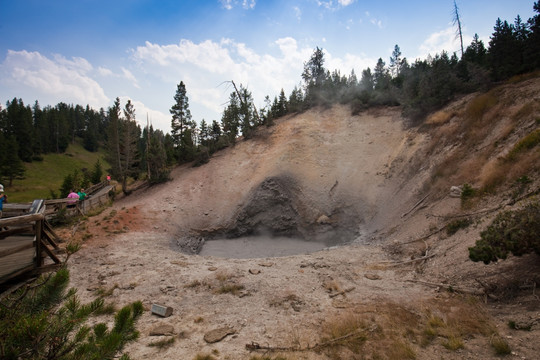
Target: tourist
(3, 199)
(82, 195)
(74, 197)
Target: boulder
(216, 335)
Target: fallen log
(253, 346)
(397, 263)
(342, 292)
(450, 288)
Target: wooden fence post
(37, 230)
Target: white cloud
(207, 66)
(52, 80)
(246, 4)
(104, 71)
(326, 4)
(227, 4)
(334, 5)
(373, 20)
(297, 13)
(445, 39)
(129, 76)
(123, 74)
(348, 63)
(157, 119)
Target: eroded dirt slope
(329, 171)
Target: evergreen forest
(27, 132)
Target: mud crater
(274, 211)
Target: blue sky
(92, 51)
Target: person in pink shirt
(74, 197)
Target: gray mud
(250, 247)
(277, 219)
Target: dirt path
(361, 171)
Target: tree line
(420, 87)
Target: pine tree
(37, 121)
(381, 77)
(314, 76)
(204, 133)
(11, 166)
(181, 123)
(130, 134)
(230, 120)
(504, 56)
(282, 105)
(296, 100)
(215, 134)
(19, 125)
(123, 137)
(314, 71)
(531, 56)
(395, 62)
(90, 135)
(157, 158)
(113, 143)
(45, 320)
(476, 52)
(97, 173)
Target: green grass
(43, 176)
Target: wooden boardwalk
(16, 253)
(28, 244)
(25, 241)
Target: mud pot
(277, 220)
(250, 247)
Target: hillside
(398, 287)
(42, 177)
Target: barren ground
(363, 172)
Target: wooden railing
(28, 244)
(26, 241)
(97, 195)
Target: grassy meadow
(43, 176)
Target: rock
(162, 330)
(167, 288)
(372, 276)
(267, 264)
(455, 191)
(323, 220)
(254, 271)
(212, 268)
(216, 335)
(164, 311)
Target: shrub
(161, 176)
(500, 345)
(43, 321)
(204, 357)
(513, 232)
(454, 343)
(480, 105)
(60, 218)
(456, 225)
(527, 143)
(467, 192)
